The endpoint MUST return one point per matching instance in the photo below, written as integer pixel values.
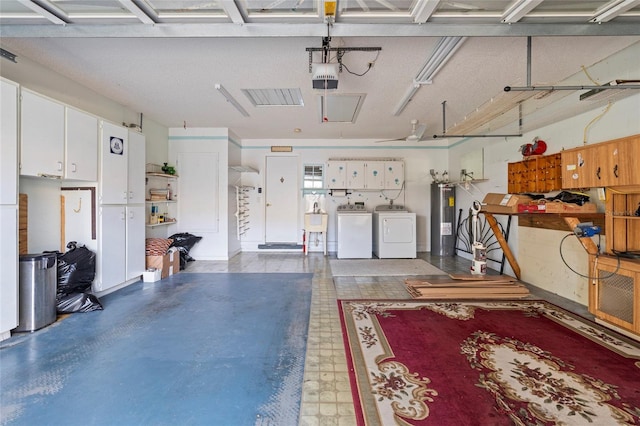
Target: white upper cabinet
(365, 174)
(356, 175)
(42, 136)
(8, 142)
(136, 169)
(114, 151)
(336, 174)
(81, 147)
(375, 175)
(393, 174)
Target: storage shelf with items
(161, 198)
(623, 220)
(242, 214)
(535, 174)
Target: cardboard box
(169, 264)
(503, 203)
(151, 275)
(560, 207)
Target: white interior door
(282, 195)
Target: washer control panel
(351, 208)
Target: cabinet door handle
(615, 170)
(124, 195)
(59, 166)
(74, 168)
(598, 173)
(130, 195)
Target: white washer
(394, 232)
(354, 232)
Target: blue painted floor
(193, 349)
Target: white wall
(210, 222)
(418, 158)
(538, 252)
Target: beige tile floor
(326, 395)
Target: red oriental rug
(487, 363)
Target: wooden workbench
(556, 221)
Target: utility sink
(316, 222)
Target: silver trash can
(38, 285)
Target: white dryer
(394, 232)
(354, 232)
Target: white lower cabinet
(135, 262)
(8, 270)
(121, 245)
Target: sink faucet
(315, 207)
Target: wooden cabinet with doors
(614, 294)
(611, 163)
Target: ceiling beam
(423, 10)
(518, 10)
(142, 15)
(319, 30)
(613, 9)
(59, 17)
(233, 12)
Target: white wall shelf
(155, 225)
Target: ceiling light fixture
(231, 99)
(444, 50)
(612, 10)
(8, 55)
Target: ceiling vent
(274, 97)
(325, 76)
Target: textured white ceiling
(168, 72)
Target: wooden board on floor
(472, 277)
(472, 291)
(487, 296)
(479, 287)
(453, 283)
(461, 285)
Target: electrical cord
(354, 73)
(596, 255)
(368, 69)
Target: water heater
(443, 216)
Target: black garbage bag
(571, 197)
(78, 302)
(76, 269)
(184, 242)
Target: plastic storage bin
(38, 282)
